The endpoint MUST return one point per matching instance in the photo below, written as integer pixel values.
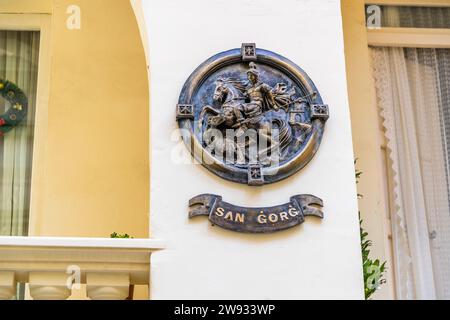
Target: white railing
(53, 266)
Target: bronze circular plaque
(251, 116)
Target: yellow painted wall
(367, 138)
(97, 165)
(93, 164)
(26, 6)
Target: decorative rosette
(19, 106)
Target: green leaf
(115, 235)
(370, 267)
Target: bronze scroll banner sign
(256, 220)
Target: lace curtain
(413, 93)
(18, 64)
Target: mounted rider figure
(262, 97)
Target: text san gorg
(263, 217)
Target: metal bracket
(320, 111)
(255, 176)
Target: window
(19, 56)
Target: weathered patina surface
(251, 116)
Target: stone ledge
(77, 257)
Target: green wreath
(19, 102)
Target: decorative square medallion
(320, 111)
(255, 176)
(249, 52)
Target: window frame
(369, 144)
(409, 37)
(36, 22)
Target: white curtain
(412, 87)
(18, 64)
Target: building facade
(100, 150)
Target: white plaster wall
(318, 260)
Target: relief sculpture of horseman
(257, 114)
